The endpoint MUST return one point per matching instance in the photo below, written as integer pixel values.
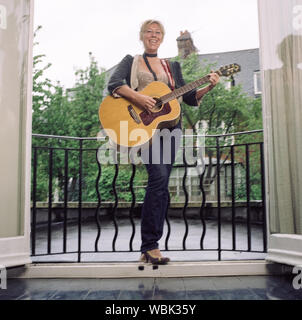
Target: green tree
(49, 116)
(224, 111)
(84, 100)
(72, 112)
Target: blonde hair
(145, 25)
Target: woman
(131, 76)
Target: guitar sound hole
(158, 105)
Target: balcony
(85, 211)
(215, 231)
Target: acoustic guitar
(130, 126)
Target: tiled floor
(197, 288)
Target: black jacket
(122, 76)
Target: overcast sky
(109, 29)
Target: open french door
(16, 38)
(280, 26)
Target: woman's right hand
(142, 101)
(145, 102)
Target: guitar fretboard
(186, 88)
(223, 71)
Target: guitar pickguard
(148, 118)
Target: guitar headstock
(229, 70)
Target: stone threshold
(143, 270)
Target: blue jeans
(159, 162)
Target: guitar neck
(182, 90)
(225, 71)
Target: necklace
(151, 55)
(145, 55)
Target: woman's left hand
(213, 78)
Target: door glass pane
(14, 36)
(281, 55)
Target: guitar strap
(149, 67)
(167, 69)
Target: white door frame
(285, 249)
(16, 250)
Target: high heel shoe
(143, 258)
(148, 257)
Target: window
(229, 83)
(257, 82)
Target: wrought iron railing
(216, 207)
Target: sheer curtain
(281, 60)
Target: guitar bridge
(133, 114)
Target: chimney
(185, 44)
